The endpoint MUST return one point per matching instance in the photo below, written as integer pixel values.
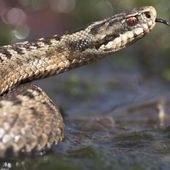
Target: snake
(29, 120)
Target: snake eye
(132, 21)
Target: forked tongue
(160, 20)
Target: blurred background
(116, 110)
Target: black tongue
(160, 20)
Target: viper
(29, 120)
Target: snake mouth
(163, 21)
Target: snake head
(122, 29)
(114, 33)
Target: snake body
(29, 121)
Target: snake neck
(24, 62)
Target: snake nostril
(147, 14)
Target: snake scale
(29, 121)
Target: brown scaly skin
(29, 121)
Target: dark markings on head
(95, 29)
(114, 22)
(108, 38)
(110, 22)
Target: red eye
(132, 21)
